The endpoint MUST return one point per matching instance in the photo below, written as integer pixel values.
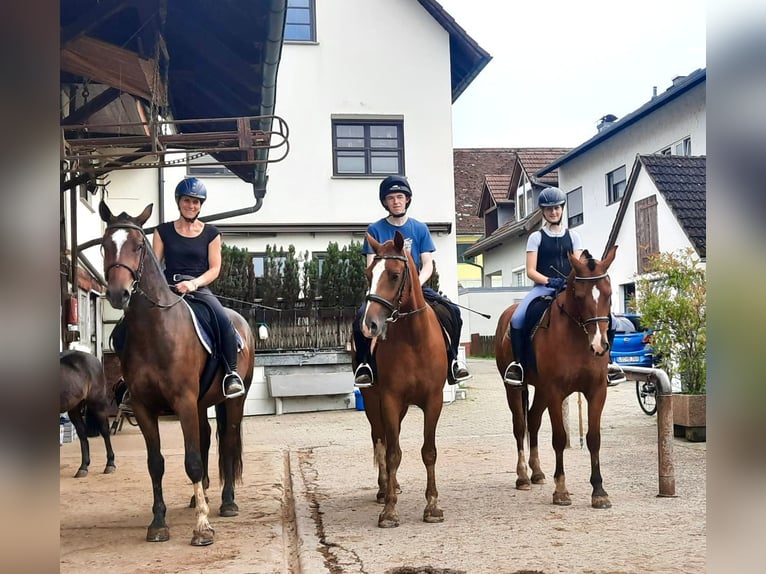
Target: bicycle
(646, 391)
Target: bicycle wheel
(647, 396)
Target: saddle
(208, 333)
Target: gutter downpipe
(667, 480)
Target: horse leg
(535, 418)
(148, 423)
(560, 494)
(103, 428)
(76, 418)
(230, 451)
(203, 533)
(599, 497)
(378, 436)
(204, 446)
(514, 398)
(432, 513)
(390, 412)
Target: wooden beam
(98, 103)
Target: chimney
(654, 92)
(606, 122)
(677, 80)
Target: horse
(162, 363)
(86, 397)
(571, 353)
(411, 356)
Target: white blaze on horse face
(596, 293)
(377, 273)
(120, 236)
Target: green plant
(671, 298)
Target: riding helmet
(392, 184)
(551, 197)
(192, 187)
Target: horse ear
(141, 219)
(104, 211)
(373, 243)
(398, 241)
(610, 256)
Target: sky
(558, 66)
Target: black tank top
(185, 255)
(553, 252)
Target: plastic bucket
(359, 400)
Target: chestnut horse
(162, 363)
(571, 351)
(85, 396)
(411, 359)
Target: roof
(471, 166)
(498, 186)
(682, 182)
(509, 230)
(467, 58)
(678, 88)
(533, 159)
(185, 60)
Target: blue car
(631, 342)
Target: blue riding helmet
(551, 197)
(192, 187)
(395, 184)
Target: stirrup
(615, 375)
(363, 376)
(514, 381)
(459, 371)
(238, 386)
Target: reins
(137, 274)
(396, 314)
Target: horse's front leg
(230, 450)
(203, 533)
(599, 497)
(560, 494)
(76, 418)
(389, 518)
(158, 530)
(432, 513)
(515, 404)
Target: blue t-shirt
(417, 237)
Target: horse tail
(222, 431)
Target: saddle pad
(202, 324)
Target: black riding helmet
(551, 197)
(192, 187)
(395, 184)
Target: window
(615, 185)
(524, 200)
(681, 147)
(629, 298)
(299, 22)
(574, 208)
(367, 148)
(193, 167)
(518, 277)
(461, 249)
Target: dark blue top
(186, 255)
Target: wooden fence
(482, 345)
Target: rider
(192, 253)
(395, 195)
(548, 267)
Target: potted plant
(671, 298)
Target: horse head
(590, 290)
(390, 277)
(125, 246)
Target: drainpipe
(664, 425)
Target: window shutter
(647, 241)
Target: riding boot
(514, 373)
(233, 386)
(615, 375)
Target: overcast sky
(559, 65)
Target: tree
(671, 299)
(329, 280)
(272, 275)
(291, 287)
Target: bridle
(394, 307)
(136, 274)
(584, 323)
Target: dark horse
(571, 353)
(162, 363)
(85, 396)
(412, 364)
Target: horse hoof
(538, 478)
(434, 516)
(523, 485)
(601, 502)
(562, 500)
(388, 523)
(158, 534)
(81, 473)
(229, 509)
(110, 469)
(202, 538)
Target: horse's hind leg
(534, 419)
(99, 412)
(432, 513)
(229, 417)
(599, 497)
(560, 493)
(76, 418)
(204, 446)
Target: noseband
(586, 322)
(394, 307)
(136, 274)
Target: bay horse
(86, 397)
(162, 362)
(411, 358)
(571, 351)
